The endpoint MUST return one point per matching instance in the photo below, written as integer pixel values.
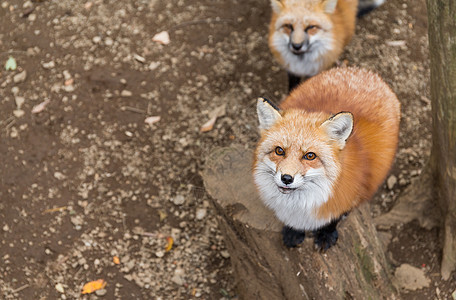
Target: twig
(10, 124)
(133, 109)
(7, 120)
(202, 21)
(21, 288)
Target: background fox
(325, 151)
(307, 36)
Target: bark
(355, 268)
(442, 46)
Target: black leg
(293, 81)
(292, 237)
(326, 236)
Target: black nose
(287, 179)
(297, 46)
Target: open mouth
(285, 190)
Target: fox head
(296, 160)
(301, 34)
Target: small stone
(159, 254)
(6, 227)
(391, 182)
(20, 77)
(225, 254)
(454, 295)
(109, 41)
(101, 292)
(32, 17)
(200, 213)
(15, 90)
(126, 93)
(77, 220)
(96, 39)
(154, 65)
(179, 200)
(59, 175)
(19, 101)
(410, 278)
(69, 88)
(67, 75)
(18, 113)
(48, 65)
(59, 288)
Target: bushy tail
(365, 6)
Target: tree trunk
(265, 269)
(442, 46)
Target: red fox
(325, 151)
(308, 36)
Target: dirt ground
(85, 179)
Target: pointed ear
(329, 6)
(268, 113)
(339, 127)
(277, 6)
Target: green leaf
(11, 64)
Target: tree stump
(265, 269)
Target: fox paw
(292, 237)
(325, 239)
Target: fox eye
(279, 151)
(310, 156)
(288, 26)
(311, 29)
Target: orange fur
(369, 151)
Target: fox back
(328, 148)
(307, 36)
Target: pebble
(109, 41)
(59, 288)
(20, 77)
(48, 65)
(96, 39)
(19, 101)
(225, 254)
(6, 227)
(179, 200)
(159, 254)
(126, 93)
(101, 292)
(391, 182)
(200, 213)
(18, 113)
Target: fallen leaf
(208, 125)
(92, 286)
(162, 214)
(162, 38)
(116, 260)
(152, 120)
(11, 64)
(40, 107)
(170, 243)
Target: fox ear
(268, 113)
(277, 6)
(339, 127)
(329, 6)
